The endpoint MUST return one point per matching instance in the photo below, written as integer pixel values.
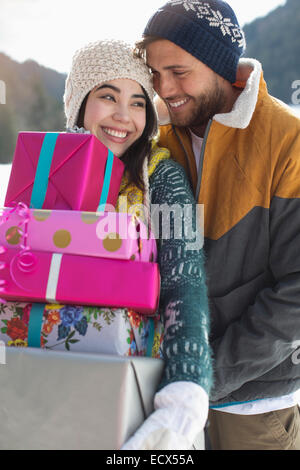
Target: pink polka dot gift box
(104, 234)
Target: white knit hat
(99, 62)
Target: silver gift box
(61, 400)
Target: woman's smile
(116, 133)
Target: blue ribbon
(150, 339)
(35, 325)
(40, 184)
(106, 182)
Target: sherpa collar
(244, 107)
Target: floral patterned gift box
(84, 329)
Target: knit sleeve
(183, 302)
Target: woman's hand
(181, 410)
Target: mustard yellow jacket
(249, 183)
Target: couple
(237, 152)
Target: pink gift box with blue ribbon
(63, 171)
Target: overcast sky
(50, 31)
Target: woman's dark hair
(135, 155)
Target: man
(241, 150)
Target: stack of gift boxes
(61, 240)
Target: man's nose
(164, 86)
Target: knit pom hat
(208, 30)
(100, 62)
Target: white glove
(181, 410)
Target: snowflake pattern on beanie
(203, 10)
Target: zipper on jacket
(200, 169)
(185, 154)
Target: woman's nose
(122, 114)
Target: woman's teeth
(120, 134)
(178, 103)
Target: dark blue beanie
(208, 30)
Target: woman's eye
(140, 104)
(107, 97)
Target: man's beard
(205, 107)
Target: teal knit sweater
(183, 302)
